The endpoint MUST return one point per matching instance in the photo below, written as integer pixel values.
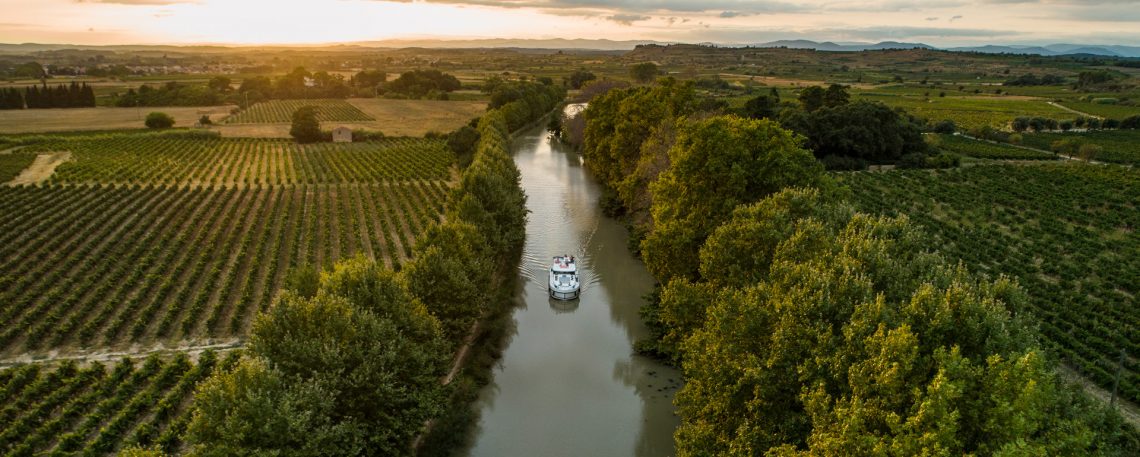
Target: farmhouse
(342, 134)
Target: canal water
(569, 382)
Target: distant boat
(564, 278)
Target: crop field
(972, 112)
(99, 410)
(149, 160)
(986, 150)
(281, 111)
(103, 118)
(1065, 232)
(11, 164)
(416, 117)
(1102, 110)
(107, 264)
(1120, 146)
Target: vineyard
(1066, 232)
(986, 150)
(98, 410)
(11, 164)
(131, 159)
(1120, 146)
(281, 111)
(112, 264)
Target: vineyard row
(106, 265)
(230, 162)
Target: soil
(41, 169)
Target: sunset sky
(936, 22)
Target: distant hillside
(595, 45)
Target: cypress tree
(88, 96)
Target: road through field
(569, 383)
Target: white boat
(564, 278)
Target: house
(342, 135)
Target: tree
(717, 164)
(462, 143)
(579, 78)
(644, 72)
(159, 120)
(836, 95)
(205, 120)
(306, 128)
(369, 78)
(1089, 151)
(353, 370)
(812, 98)
(450, 277)
(763, 106)
(870, 131)
(855, 339)
(221, 84)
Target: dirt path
(41, 169)
(135, 351)
(1080, 113)
(1129, 411)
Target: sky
(937, 22)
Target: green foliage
(619, 123)
(717, 164)
(1062, 230)
(306, 128)
(863, 130)
(353, 370)
(159, 120)
(857, 340)
(579, 78)
(419, 83)
(462, 143)
(644, 72)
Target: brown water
(569, 383)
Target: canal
(569, 382)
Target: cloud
(932, 18)
(956, 18)
(627, 19)
(731, 14)
(641, 6)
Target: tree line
(349, 361)
(804, 327)
(74, 95)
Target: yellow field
(57, 120)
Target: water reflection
(569, 383)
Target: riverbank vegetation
(805, 327)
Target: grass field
(281, 111)
(416, 117)
(98, 409)
(1065, 232)
(986, 150)
(1110, 111)
(971, 112)
(58, 120)
(149, 160)
(1120, 146)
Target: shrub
(946, 126)
(159, 120)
